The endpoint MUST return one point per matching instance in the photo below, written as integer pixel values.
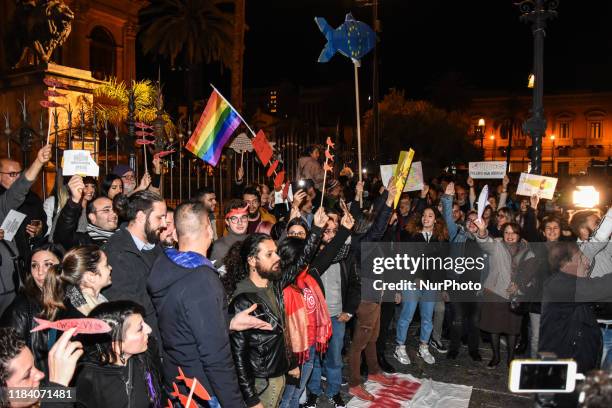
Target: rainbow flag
(216, 125)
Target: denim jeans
(606, 356)
(410, 300)
(332, 363)
(291, 395)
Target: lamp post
(480, 131)
(537, 12)
(552, 154)
(492, 137)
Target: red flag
(278, 180)
(328, 155)
(327, 167)
(272, 168)
(329, 143)
(262, 147)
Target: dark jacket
(66, 233)
(568, 326)
(131, 269)
(374, 233)
(20, 315)
(112, 385)
(350, 286)
(33, 209)
(194, 328)
(259, 353)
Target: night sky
(482, 41)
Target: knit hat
(121, 169)
(331, 184)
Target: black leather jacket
(261, 353)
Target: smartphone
(542, 376)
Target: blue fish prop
(353, 38)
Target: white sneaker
(425, 354)
(401, 355)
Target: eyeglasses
(13, 174)
(296, 234)
(330, 231)
(105, 210)
(252, 201)
(128, 177)
(236, 219)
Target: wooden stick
(356, 64)
(190, 397)
(144, 150)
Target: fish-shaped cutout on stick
(144, 142)
(329, 143)
(164, 153)
(143, 125)
(53, 93)
(327, 167)
(54, 83)
(278, 180)
(182, 398)
(143, 133)
(83, 325)
(199, 390)
(328, 155)
(50, 104)
(353, 38)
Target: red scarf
(308, 320)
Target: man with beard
(132, 250)
(260, 357)
(168, 238)
(257, 214)
(208, 198)
(101, 218)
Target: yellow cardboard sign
(401, 172)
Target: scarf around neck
(308, 320)
(97, 233)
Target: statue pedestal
(27, 136)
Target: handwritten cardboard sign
(79, 162)
(11, 224)
(487, 169)
(542, 186)
(83, 325)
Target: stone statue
(38, 27)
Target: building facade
(579, 130)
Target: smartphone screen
(543, 376)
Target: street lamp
(492, 137)
(537, 12)
(480, 131)
(552, 154)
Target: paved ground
(490, 389)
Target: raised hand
(298, 199)
(320, 218)
(44, 154)
(347, 220)
(76, 187)
(450, 189)
(470, 182)
(63, 358)
(424, 190)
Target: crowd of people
(263, 308)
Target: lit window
(565, 130)
(595, 129)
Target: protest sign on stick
(487, 169)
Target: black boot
(384, 364)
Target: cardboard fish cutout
(52, 93)
(199, 390)
(54, 83)
(164, 153)
(50, 104)
(262, 147)
(278, 180)
(352, 38)
(143, 125)
(182, 398)
(144, 142)
(272, 168)
(83, 326)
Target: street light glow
(531, 82)
(586, 197)
(492, 137)
(481, 122)
(552, 137)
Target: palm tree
(188, 33)
(509, 120)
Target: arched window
(101, 53)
